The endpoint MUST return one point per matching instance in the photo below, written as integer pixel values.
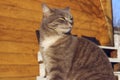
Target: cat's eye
(62, 18)
(71, 18)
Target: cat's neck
(48, 41)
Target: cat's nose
(72, 23)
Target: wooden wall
(19, 19)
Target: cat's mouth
(67, 30)
(67, 27)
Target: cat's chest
(48, 41)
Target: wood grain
(20, 13)
(91, 11)
(106, 5)
(17, 47)
(107, 9)
(19, 19)
(18, 36)
(18, 70)
(34, 5)
(20, 59)
(19, 78)
(18, 24)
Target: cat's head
(59, 20)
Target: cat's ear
(67, 9)
(46, 10)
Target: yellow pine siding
(18, 36)
(18, 58)
(9, 23)
(18, 47)
(19, 19)
(19, 78)
(18, 70)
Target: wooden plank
(107, 9)
(15, 47)
(26, 4)
(18, 70)
(82, 20)
(91, 11)
(20, 59)
(18, 36)
(16, 12)
(36, 4)
(77, 5)
(85, 32)
(18, 24)
(101, 35)
(19, 78)
(73, 4)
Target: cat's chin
(67, 30)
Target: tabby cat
(68, 57)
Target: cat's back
(90, 62)
(88, 52)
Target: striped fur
(67, 57)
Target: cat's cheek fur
(64, 29)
